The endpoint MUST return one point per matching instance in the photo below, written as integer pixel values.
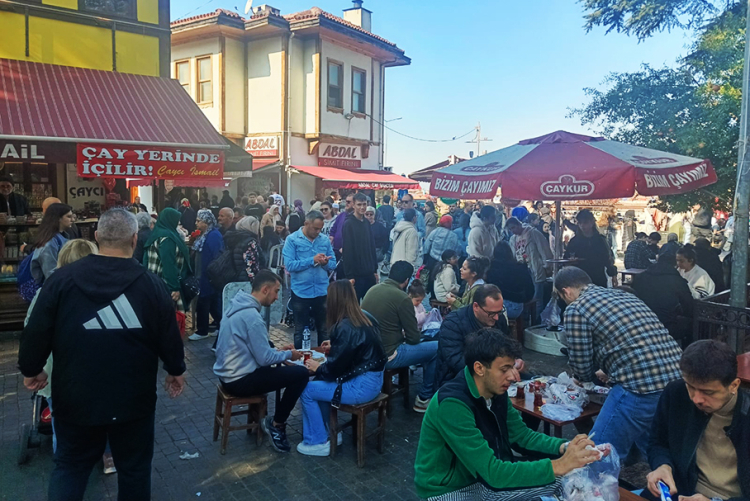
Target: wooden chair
(358, 423)
(444, 308)
(257, 407)
(403, 385)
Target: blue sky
(516, 66)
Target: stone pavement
(246, 471)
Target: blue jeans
(424, 353)
(625, 419)
(316, 402)
(513, 309)
(539, 299)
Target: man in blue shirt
(308, 257)
(407, 202)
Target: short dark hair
(655, 236)
(386, 199)
(708, 360)
(265, 277)
(512, 221)
(485, 291)
(409, 215)
(401, 271)
(478, 265)
(360, 197)
(487, 212)
(640, 234)
(253, 193)
(571, 276)
(584, 215)
(7, 179)
(688, 252)
(485, 345)
(280, 223)
(503, 253)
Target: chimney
(359, 16)
(265, 10)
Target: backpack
(221, 271)
(27, 286)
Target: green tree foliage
(692, 109)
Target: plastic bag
(563, 391)
(561, 412)
(596, 481)
(433, 320)
(551, 314)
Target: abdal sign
(340, 155)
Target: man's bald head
(49, 201)
(226, 216)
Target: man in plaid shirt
(615, 332)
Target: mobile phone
(665, 495)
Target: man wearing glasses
(407, 202)
(486, 311)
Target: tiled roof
(207, 15)
(318, 12)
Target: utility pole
(738, 293)
(478, 138)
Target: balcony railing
(713, 318)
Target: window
(205, 77)
(182, 74)
(335, 85)
(121, 8)
(359, 85)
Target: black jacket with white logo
(106, 321)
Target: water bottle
(306, 339)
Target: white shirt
(699, 281)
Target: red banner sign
(122, 161)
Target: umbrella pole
(558, 236)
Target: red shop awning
(45, 102)
(358, 179)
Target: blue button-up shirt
(308, 279)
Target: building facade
(305, 89)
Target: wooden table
(526, 406)
(743, 369)
(626, 495)
(631, 272)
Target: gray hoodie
(243, 343)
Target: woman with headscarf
(268, 241)
(462, 232)
(207, 247)
(296, 217)
(246, 249)
(166, 254)
(188, 216)
(430, 218)
(271, 217)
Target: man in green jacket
(470, 426)
(394, 311)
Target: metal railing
(714, 318)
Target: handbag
(191, 286)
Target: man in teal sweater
(470, 426)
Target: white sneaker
(340, 438)
(109, 464)
(314, 450)
(197, 337)
(421, 405)
(213, 333)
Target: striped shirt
(616, 332)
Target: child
(445, 276)
(417, 294)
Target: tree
(692, 109)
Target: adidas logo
(106, 318)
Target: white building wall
(377, 102)
(264, 86)
(334, 122)
(235, 86)
(192, 51)
(310, 86)
(297, 85)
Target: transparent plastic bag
(432, 321)
(551, 313)
(561, 412)
(562, 390)
(596, 481)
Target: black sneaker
(277, 434)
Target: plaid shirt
(616, 332)
(637, 255)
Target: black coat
(353, 348)
(19, 206)
(380, 236)
(708, 259)
(513, 279)
(596, 257)
(456, 326)
(359, 248)
(143, 236)
(677, 429)
(226, 201)
(188, 218)
(668, 295)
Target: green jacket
(394, 311)
(468, 297)
(462, 441)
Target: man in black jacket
(486, 311)
(12, 203)
(592, 249)
(360, 260)
(700, 441)
(107, 321)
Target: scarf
(166, 227)
(207, 217)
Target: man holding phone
(308, 257)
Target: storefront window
(359, 83)
(122, 8)
(182, 73)
(335, 85)
(205, 84)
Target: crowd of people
(484, 265)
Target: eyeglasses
(492, 314)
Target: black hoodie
(668, 295)
(106, 321)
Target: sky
(515, 66)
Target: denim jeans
(424, 353)
(205, 305)
(79, 448)
(625, 419)
(513, 309)
(303, 308)
(316, 402)
(539, 300)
